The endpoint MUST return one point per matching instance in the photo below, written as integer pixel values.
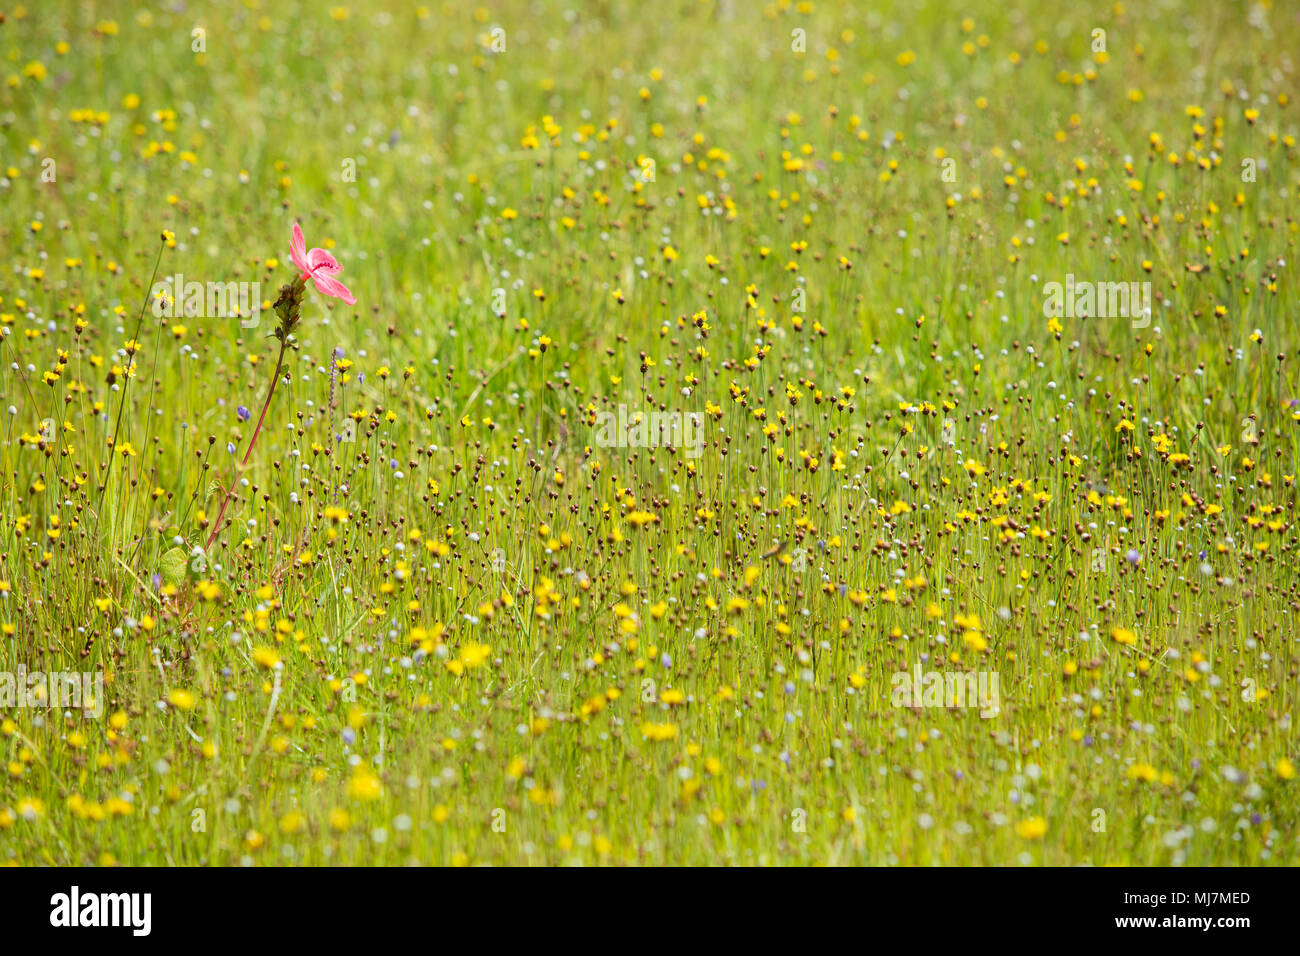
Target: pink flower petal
(298, 249)
(321, 261)
(333, 287)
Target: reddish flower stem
(275, 380)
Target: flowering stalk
(289, 308)
(321, 268)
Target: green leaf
(173, 566)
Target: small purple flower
(157, 581)
(243, 413)
(666, 660)
(1133, 557)
(230, 447)
(349, 736)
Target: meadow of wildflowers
(775, 433)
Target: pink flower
(319, 266)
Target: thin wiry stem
(275, 379)
(126, 384)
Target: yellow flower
(266, 657)
(364, 785)
(474, 655)
(1031, 829)
(181, 699)
(658, 732)
(1142, 771)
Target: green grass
(507, 643)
